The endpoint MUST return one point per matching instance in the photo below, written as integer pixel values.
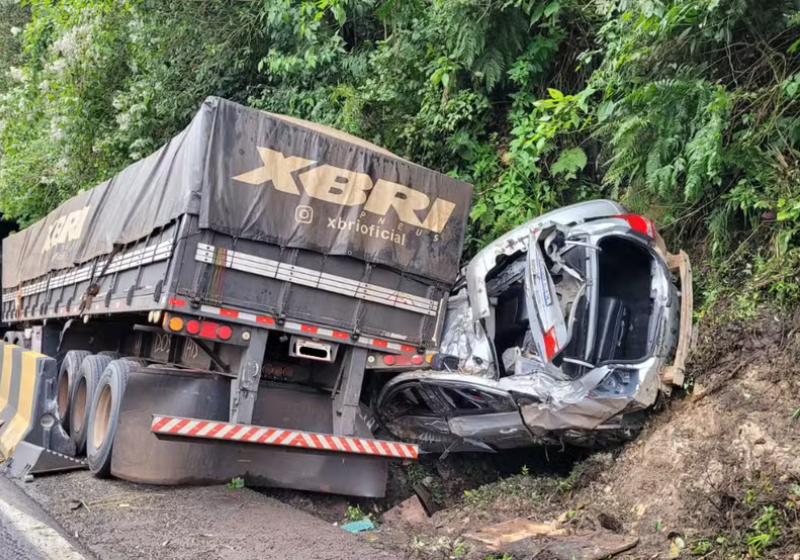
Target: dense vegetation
(686, 110)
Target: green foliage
(764, 533)
(354, 514)
(235, 483)
(684, 110)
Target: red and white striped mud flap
(209, 429)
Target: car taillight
(550, 343)
(193, 326)
(417, 360)
(640, 224)
(389, 360)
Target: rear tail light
(550, 343)
(640, 224)
(224, 332)
(195, 327)
(402, 360)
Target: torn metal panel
(466, 338)
(516, 240)
(504, 430)
(544, 309)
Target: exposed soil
(697, 480)
(117, 520)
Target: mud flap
(31, 459)
(139, 456)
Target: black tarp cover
(264, 177)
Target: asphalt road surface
(27, 532)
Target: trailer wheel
(67, 375)
(81, 398)
(104, 414)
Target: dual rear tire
(83, 392)
(89, 393)
(104, 414)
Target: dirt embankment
(715, 475)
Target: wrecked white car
(565, 329)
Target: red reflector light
(417, 360)
(550, 343)
(340, 334)
(409, 349)
(208, 330)
(177, 302)
(309, 329)
(193, 327)
(224, 332)
(640, 224)
(380, 343)
(389, 360)
(264, 320)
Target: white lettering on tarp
(369, 230)
(348, 188)
(66, 228)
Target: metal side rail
(224, 431)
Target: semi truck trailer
(224, 307)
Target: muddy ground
(118, 520)
(715, 475)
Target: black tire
(104, 414)
(81, 398)
(67, 374)
(16, 338)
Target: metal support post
(46, 339)
(345, 403)
(244, 389)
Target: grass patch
(524, 487)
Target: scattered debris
(359, 526)
(408, 512)
(675, 546)
(593, 546)
(422, 490)
(514, 530)
(529, 539)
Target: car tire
(81, 398)
(67, 375)
(104, 414)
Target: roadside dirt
(714, 475)
(717, 474)
(116, 520)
